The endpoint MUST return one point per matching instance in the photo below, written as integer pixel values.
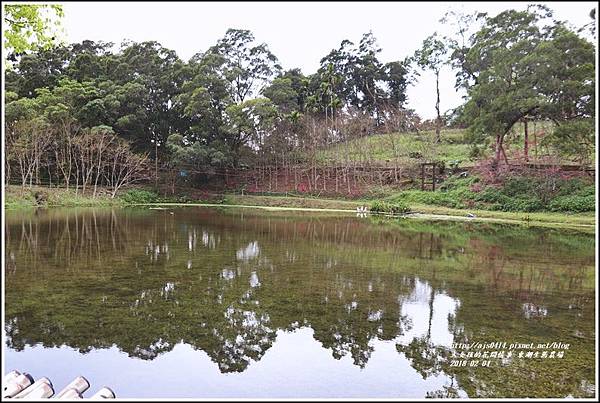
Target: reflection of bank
(430, 246)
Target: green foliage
(525, 204)
(139, 196)
(353, 76)
(289, 91)
(403, 148)
(397, 207)
(576, 186)
(30, 26)
(516, 194)
(431, 198)
(196, 155)
(574, 204)
(432, 54)
(574, 138)
(232, 106)
(523, 65)
(245, 66)
(532, 194)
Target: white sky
(299, 33)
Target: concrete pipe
(104, 393)
(39, 389)
(17, 385)
(71, 393)
(80, 384)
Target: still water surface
(199, 302)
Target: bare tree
(90, 149)
(29, 142)
(63, 148)
(123, 167)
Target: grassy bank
(43, 196)
(56, 197)
(402, 148)
(421, 210)
(17, 197)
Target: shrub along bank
(515, 194)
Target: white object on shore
(11, 376)
(71, 393)
(44, 391)
(104, 393)
(79, 384)
(16, 385)
(42, 388)
(22, 386)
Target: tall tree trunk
(526, 141)
(438, 122)
(431, 300)
(498, 149)
(155, 163)
(98, 167)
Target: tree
(196, 156)
(250, 123)
(217, 100)
(465, 26)
(89, 60)
(204, 98)
(590, 26)
(433, 56)
(27, 134)
(155, 71)
(61, 116)
(30, 27)
(527, 67)
(246, 68)
(356, 76)
(289, 91)
(368, 74)
(122, 166)
(398, 77)
(41, 68)
(338, 63)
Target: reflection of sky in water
(531, 310)
(186, 372)
(416, 308)
(308, 371)
(251, 251)
(254, 281)
(228, 274)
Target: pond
(227, 302)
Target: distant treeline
(89, 114)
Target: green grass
(582, 220)
(455, 145)
(515, 194)
(403, 148)
(17, 198)
(585, 221)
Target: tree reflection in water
(226, 282)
